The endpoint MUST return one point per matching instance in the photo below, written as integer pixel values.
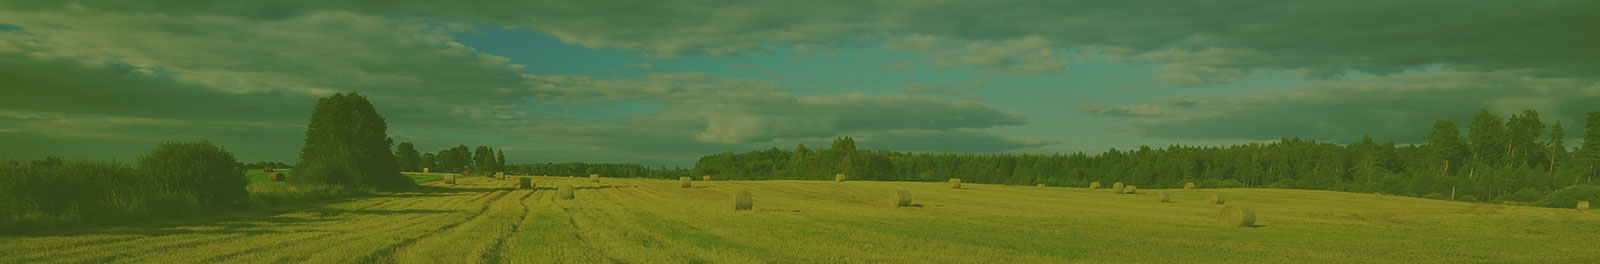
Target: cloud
(944, 89)
(1394, 107)
(641, 66)
(898, 66)
(1020, 36)
(1127, 111)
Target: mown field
(484, 220)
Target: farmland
(485, 220)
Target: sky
(665, 82)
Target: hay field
(485, 220)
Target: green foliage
(430, 161)
(1468, 198)
(407, 157)
(347, 146)
(201, 169)
(1568, 197)
(1527, 195)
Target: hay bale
(1130, 189)
(685, 181)
(838, 177)
(705, 178)
(955, 183)
(564, 192)
(1238, 216)
(902, 198)
(1041, 185)
(1583, 205)
(741, 200)
(1116, 187)
(594, 177)
(500, 175)
(1161, 197)
(450, 179)
(1215, 199)
(1094, 185)
(524, 183)
(424, 170)
(1188, 186)
(276, 176)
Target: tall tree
(347, 145)
(1488, 137)
(1523, 131)
(406, 155)
(482, 160)
(1589, 153)
(1445, 146)
(430, 161)
(500, 161)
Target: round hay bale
(500, 175)
(1215, 199)
(955, 183)
(524, 183)
(705, 178)
(450, 179)
(838, 177)
(1094, 185)
(1130, 189)
(1161, 197)
(1041, 185)
(564, 192)
(1583, 205)
(594, 177)
(1188, 186)
(685, 181)
(741, 200)
(276, 176)
(1116, 187)
(424, 170)
(902, 198)
(1238, 216)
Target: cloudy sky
(663, 82)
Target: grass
(657, 221)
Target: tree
(1558, 145)
(1589, 153)
(1522, 131)
(500, 161)
(430, 161)
(482, 160)
(407, 157)
(347, 146)
(1445, 146)
(1488, 137)
(199, 168)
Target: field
(484, 220)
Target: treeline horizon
(1514, 159)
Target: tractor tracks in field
(493, 254)
(386, 254)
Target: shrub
(1568, 197)
(1526, 195)
(1230, 183)
(199, 168)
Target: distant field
(258, 177)
(656, 221)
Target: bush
(199, 168)
(1568, 197)
(1230, 183)
(1527, 195)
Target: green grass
(655, 221)
(421, 178)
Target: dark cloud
(1399, 107)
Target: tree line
(1516, 159)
